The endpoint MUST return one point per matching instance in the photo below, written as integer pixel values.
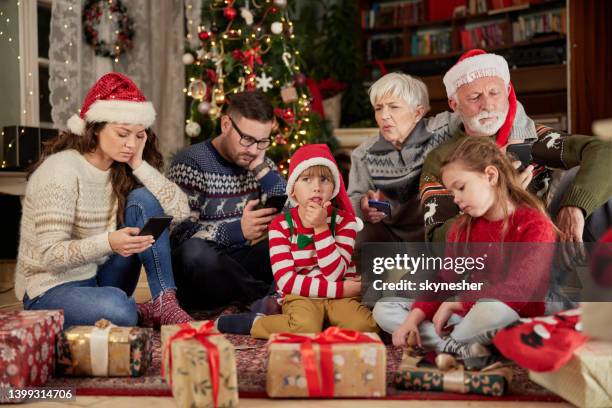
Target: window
(34, 30)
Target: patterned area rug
(251, 362)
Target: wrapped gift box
(586, 380)
(415, 375)
(27, 346)
(335, 363)
(596, 320)
(187, 353)
(104, 350)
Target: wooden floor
(9, 302)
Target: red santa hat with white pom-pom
(113, 98)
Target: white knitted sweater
(68, 211)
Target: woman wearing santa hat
(87, 198)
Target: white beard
(488, 129)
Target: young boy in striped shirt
(311, 247)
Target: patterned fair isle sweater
(68, 211)
(218, 192)
(318, 269)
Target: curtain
(154, 64)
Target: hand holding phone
(520, 152)
(276, 202)
(155, 226)
(382, 206)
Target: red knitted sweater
(519, 269)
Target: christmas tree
(251, 46)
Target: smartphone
(521, 152)
(155, 226)
(277, 202)
(382, 206)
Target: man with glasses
(220, 254)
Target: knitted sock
(146, 314)
(164, 309)
(170, 312)
(267, 305)
(240, 323)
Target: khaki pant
(306, 315)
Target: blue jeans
(107, 295)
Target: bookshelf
(424, 38)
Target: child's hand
(400, 335)
(315, 215)
(445, 311)
(352, 288)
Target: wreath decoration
(122, 27)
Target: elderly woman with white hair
(387, 167)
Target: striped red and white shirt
(318, 270)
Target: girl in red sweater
(495, 209)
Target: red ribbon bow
(322, 386)
(186, 332)
(249, 57)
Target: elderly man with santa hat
(479, 89)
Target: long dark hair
(476, 153)
(122, 179)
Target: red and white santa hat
(319, 155)
(475, 64)
(113, 98)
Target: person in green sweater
(480, 91)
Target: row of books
(528, 26)
(393, 14)
(431, 42)
(490, 34)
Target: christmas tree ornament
(280, 3)
(230, 13)
(219, 96)
(204, 35)
(204, 107)
(188, 59)
(289, 93)
(197, 88)
(300, 79)
(201, 54)
(192, 129)
(276, 27)
(251, 82)
(213, 112)
(214, 28)
(279, 139)
(264, 82)
(246, 14)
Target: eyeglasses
(248, 141)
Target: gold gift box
(191, 377)
(586, 380)
(359, 369)
(129, 351)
